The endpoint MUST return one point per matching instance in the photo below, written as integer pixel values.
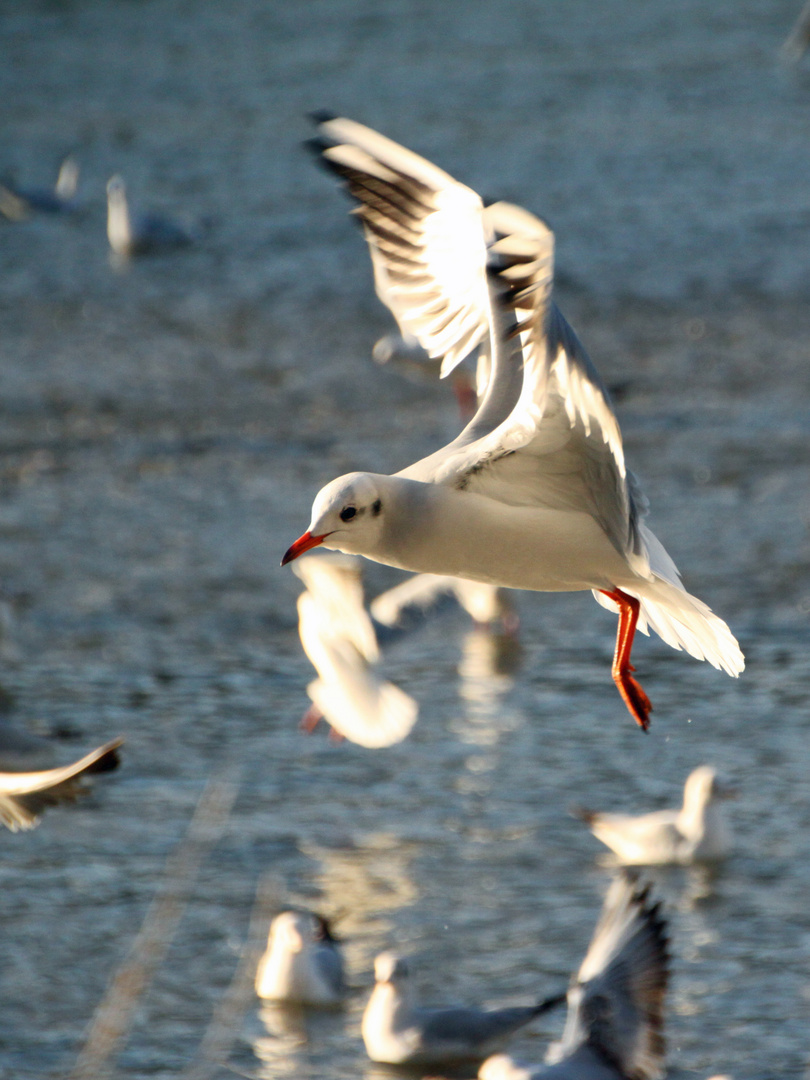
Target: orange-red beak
(302, 544)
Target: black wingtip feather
(108, 761)
(322, 116)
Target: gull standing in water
(303, 964)
(534, 492)
(614, 1029)
(23, 796)
(695, 833)
(339, 639)
(132, 233)
(19, 203)
(398, 1032)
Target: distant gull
(134, 233)
(614, 1029)
(398, 1032)
(404, 353)
(795, 44)
(23, 796)
(487, 605)
(339, 639)
(303, 963)
(695, 833)
(533, 494)
(18, 203)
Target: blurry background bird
(303, 963)
(397, 1031)
(18, 203)
(698, 832)
(134, 232)
(339, 639)
(614, 1029)
(24, 795)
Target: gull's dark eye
(347, 513)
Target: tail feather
(683, 622)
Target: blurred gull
(486, 604)
(303, 964)
(398, 1032)
(615, 1022)
(19, 203)
(339, 639)
(534, 493)
(795, 44)
(403, 352)
(23, 796)
(133, 233)
(695, 833)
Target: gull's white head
(703, 786)
(295, 931)
(390, 967)
(347, 514)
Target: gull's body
(19, 203)
(302, 964)
(697, 832)
(24, 795)
(132, 233)
(534, 492)
(614, 1027)
(339, 639)
(396, 1031)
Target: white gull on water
(396, 1031)
(339, 638)
(614, 1029)
(303, 964)
(18, 203)
(534, 493)
(136, 233)
(696, 833)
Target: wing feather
(616, 1002)
(456, 275)
(426, 234)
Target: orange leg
(632, 693)
(310, 720)
(466, 396)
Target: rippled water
(162, 432)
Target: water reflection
(295, 1041)
(489, 659)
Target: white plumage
(534, 492)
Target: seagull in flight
(339, 638)
(24, 795)
(534, 492)
(614, 1029)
